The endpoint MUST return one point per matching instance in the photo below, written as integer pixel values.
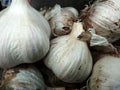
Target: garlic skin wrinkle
(104, 17)
(69, 57)
(61, 19)
(24, 34)
(106, 75)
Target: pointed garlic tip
(77, 29)
(55, 10)
(73, 10)
(57, 6)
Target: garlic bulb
(104, 17)
(61, 19)
(23, 78)
(69, 57)
(24, 34)
(106, 75)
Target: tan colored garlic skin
(23, 78)
(69, 58)
(106, 75)
(62, 20)
(24, 36)
(104, 17)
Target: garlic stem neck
(77, 29)
(20, 3)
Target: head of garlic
(24, 34)
(69, 57)
(106, 75)
(24, 77)
(61, 19)
(104, 17)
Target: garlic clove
(67, 58)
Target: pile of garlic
(61, 41)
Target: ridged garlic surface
(106, 74)
(69, 57)
(24, 36)
(61, 19)
(23, 78)
(104, 16)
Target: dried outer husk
(61, 19)
(69, 57)
(24, 34)
(23, 77)
(105, 75)
(104, 17)
(100, 43)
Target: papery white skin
(104, 16)
(106, 75)
(24, 35)
(97, 39)
(25, 79)
(69, 58)
(61, 19)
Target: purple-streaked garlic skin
(104, 17)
